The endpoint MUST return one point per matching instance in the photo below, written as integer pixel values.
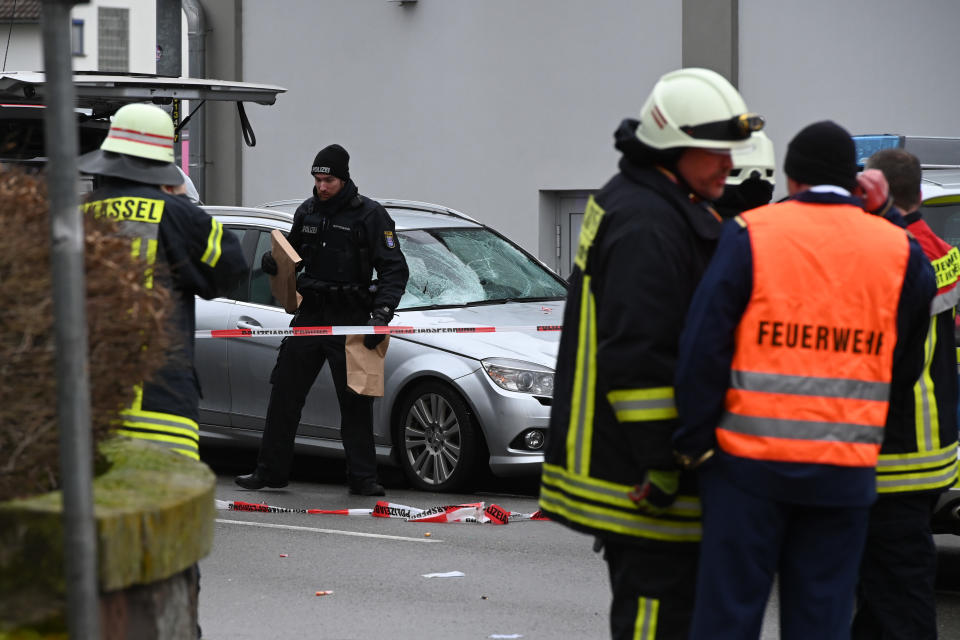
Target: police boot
(367, 488)
(258, 480)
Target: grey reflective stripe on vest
(809, 386)
(802, 429)
(944, 301)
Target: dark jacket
(919, 453)
(706, 353)
(341, 242)
(644, 244)
(199, 259)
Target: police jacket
(919, 452)
(795, 410)
(644, 244)
(342, 241)
(198, 259)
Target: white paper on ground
(448, 574)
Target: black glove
(268, 265)
(379, 318)
(755, 191)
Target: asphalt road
(526, 580)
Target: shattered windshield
(452, 267)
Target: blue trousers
(748, 539)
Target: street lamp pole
(70, 325)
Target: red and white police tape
(347, 330)
(474, 512)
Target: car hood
(530, 345)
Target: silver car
(453, 402)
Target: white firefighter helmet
(141, 130)
(696, 108)
(138, 147)
(758, 157)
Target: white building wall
(873, 66)
(25, 51)
(143, 34)
(478, 105)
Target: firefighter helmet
(696, 108)
(758, 157)
(141, 130)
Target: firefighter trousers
(652, 590)
(896, 598)
(299, 362)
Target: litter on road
(448, 574)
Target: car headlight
(516, 375)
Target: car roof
(406, 214)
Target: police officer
(810, 318)
(342, 237)
(183, 247)
(645, 241)
(918, 461)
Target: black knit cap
(333, 160)
(822, 153)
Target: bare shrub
(127, 333)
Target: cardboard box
(283, 286)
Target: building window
(76, 37)
(113, 32)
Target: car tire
(436, 438)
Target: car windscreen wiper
(477, 303)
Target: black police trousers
(653, 591)
(298, 364)
(896, 598)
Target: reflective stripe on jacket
(810, 382)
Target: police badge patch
(389, 240)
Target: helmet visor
(736, 128)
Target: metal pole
(70, 325)
(196, 60)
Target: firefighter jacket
(187, 250)
(811, 312)
(342, 241)
(644, 244)
(919, 452)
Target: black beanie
(333, 160)
(822, 153)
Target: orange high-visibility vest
(813, 357)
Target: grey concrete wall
(485, 105)
(874, 66)
(475, 105)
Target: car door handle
(248, 323)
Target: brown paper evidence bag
(364, 366)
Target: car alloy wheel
(437, 438)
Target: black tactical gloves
(379, 317)
(268, 265)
